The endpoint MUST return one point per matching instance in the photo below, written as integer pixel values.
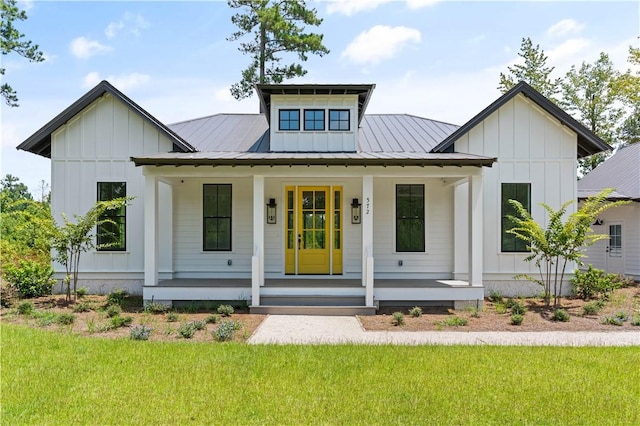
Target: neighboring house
(313, 201)
(620, 253)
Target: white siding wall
(531, 147)
(629, 217)
(95, 146)
(314, 141)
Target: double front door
(313, 243)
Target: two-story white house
(312, 202)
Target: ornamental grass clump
(397, 318)
(415, 312)
(225, 310)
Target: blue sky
(436, 59)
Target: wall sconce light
(598, 222)
(356, 211)
(271, 211)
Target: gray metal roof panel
(621, 171)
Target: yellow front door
(314, 230)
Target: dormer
(314, 117)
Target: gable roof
(588, 142)
(621, 171)
(40, 142)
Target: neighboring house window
(410, 218)
(289, 119)
(615, 240)
(339, 119)
(111, 235)
(216, 213)
(520, 192)
(314, 119)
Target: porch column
(367, 238)
(475, 230)
(150, 230)
(257, 259)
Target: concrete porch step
(313, 310)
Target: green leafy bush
(495, 296)
(30, 278)
(172, 317)
(516, 319)
(199, 325)
(117, 296)
(118, 321)
(518, 308)
(225, 310)
(155, 308)
(187, 330)
(140, 332)
(25, 308)
(212, 319)
(113, 310)
(397, 318)
(594, 283)
(82, 291)
(81, 307)
(415, 312)
(454, 321)
(636, 320)
(560, 315)
(592, 308)
(65, 318)
(226, 330)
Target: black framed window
(216, 212)
(339, 119)
(520, 192)
(410, 218)
(289, 119)
(111, 234)
(314, 119)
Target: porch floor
(311, 282)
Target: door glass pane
(336, 220)
(320, 200)
(319, 219)
(290, 239)
(319, 240)
(290, 200)
(307, 239)
(290, 220)
(307, 199)
(336, 242)
(307, 219)
(337, 200)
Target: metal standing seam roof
(621, 171)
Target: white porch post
(475, 230)
(257, 259)
(150, 230)
(367, 238)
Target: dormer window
(339, 119)
(289, 119)
(314, 119)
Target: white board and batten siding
(314, 141)
(96, 146)
(531, 147)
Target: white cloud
(351, 7)
(26, 5)
(134, 23)
(570, 52)
(123, 82)
(565, 27)
(84, 48)
(379, 43)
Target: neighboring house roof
(621, 171)
(362, 90)
(588, 142)
(40, 142)
(250, 133)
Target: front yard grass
(63, 378)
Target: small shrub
(225, 310)
(594, 283)
(516, 319)
(501, 308)
(199, 325)
(172, 317)
(30, 278)
(518, 308)
(118, 321)
(140, 332)
(636, 320)
(25, 308)
(474, 312)
(113, 310)
(155, 308)
(592, 308)
(397, 318)
(186, 330)
(117, 296)
(44, 319)
(82, 291)
(560, 315)
(81, 307)
(226, 330)
(65, 318)
(612, 320)
(495, 296)
(415, 312)
(212, 319)
(454, 321)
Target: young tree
(591, 94)
(628, 84)
(553, 247)
(534, 71)
(71, 239)
(277, 28)
(12, 40)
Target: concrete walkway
(301, 329)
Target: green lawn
(61, 379)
